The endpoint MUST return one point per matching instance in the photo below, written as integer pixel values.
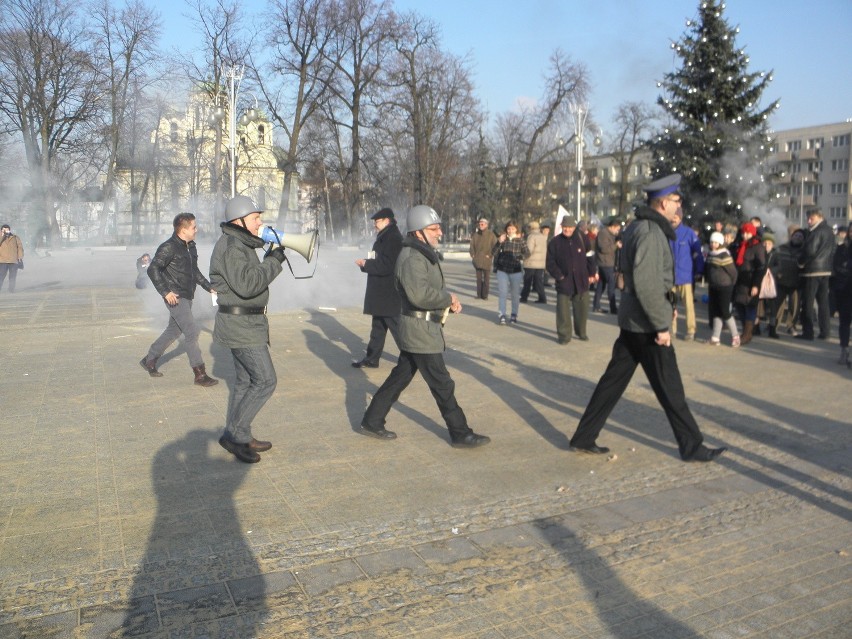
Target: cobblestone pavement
(120, 516)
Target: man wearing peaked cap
(645, 317)
(381, 299)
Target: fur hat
(718, 238)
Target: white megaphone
(303, 243)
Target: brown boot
(151, 367)
(201, 377)
(748, 331)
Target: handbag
(20, 265)
(767, 287)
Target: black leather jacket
(175, 268)
(818, 250)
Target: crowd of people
(755, 286)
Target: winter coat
(381, 298)
(482, 245)
(605, 248)
(841, 271)
(420, 282)
(719, 269)
(688, 257)
(241, 279)
(818, 251)
(537, 245)
(750, 274)
(571, 262)
(11, 249)
(785, 266)
(648, 267)
(174, 268)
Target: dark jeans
(534, 279)
(180, 321)
(483, 282)
(378, 333)
(12, 270)
(607, 280)
(254, 384)
(441, 385)
(660, 365)
(815, 289)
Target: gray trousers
(254, 384)
(180, 321)
(570, 307)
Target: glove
(277, 253)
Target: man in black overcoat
(381, 299)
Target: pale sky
(625, 45)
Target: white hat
(718, 238)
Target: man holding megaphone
(241, 281)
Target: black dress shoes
(259, 446)
(594, 449)
(243, 452)
(471, 440)
(378, 433)
(365, 364)
(704, 454)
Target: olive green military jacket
(240, 278)
(420, 282)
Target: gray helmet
(240, 206)
(421, 216)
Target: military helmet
(421, 216)
(240, 206)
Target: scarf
(744, 246)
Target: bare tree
(633, 123)
(49, 91)
(433, 93)
(536, 130)
(363, 29)
(125, 46)
(296, 78)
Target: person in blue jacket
(688, 266)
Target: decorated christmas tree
(715, 132)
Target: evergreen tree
(484, 199)
(716, 134)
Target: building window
(173, 133)
(261, 134)
(815, 143)
(840, 165)
(837, 212)
(794, 145)
(841, 140)
(839, 188)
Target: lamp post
(235, 75)
(579, 113)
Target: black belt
(427, 315)
(242, 310)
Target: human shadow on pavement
(521, 400)
(622, 612)
(195, 542)
(325, 346)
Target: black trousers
(441, 385)
(660, 365)
(815, 289)
(378, 333)
(534, 279)
(483, 283)
(12, 270)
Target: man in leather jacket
(425, 304)
(174, 273)
(815, 262)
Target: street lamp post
(235, 75)
(580, 112)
